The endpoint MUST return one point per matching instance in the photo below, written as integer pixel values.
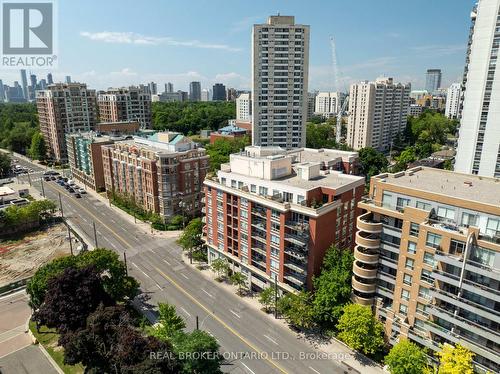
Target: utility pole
(95, 233)
(275, 296)
(60, 205)
(43, 189)
(197, 326)
(29, 178)
(70, 240)
(125, 261)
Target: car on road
(60, 182)
(65, 179)
(71, 190)
(46, 178)
(81, 190)
(52, 178)
(77, 195)
(67, 186)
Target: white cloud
(125, 72)
(439, 50)
(139, 39)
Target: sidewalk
(334, 347)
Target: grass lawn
(48, 338)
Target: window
(275, 213)
(275, 264)
(233, 183)
(275, 252)
(253, 188)
(263, 191)
(426, 276)
(387, 200)
(493, 227)
(243, 201)
(243, 214)
(457, 246)
(405, 294)
(414, 229)
(244, 226)
(412, 248)
(429, 259)
(447, 213)
(469, 219)
(275, 239)
(422, 309)
(403, 309)
(401, 203)
(407, 279)
(424, 293)
(409, 263)
(483, 256)
(433, 240)
(275, 226)
(423, 206)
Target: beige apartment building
(125, 104)
(427, 258)
(280, 73)
(377, 113)
(164, 173)
(65, 108)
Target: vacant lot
(21, 258)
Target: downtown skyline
(167, 43)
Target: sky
(121, 42)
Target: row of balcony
(365, 223)
(366, 255)
(363, 285)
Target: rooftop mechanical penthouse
(274, 213)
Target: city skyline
(120, 52)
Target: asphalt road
(252, 342)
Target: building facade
(427, 258)
(280, 68)
(244, 107)
(195, 91)
(478, 149)
(415, 110)
(453, 101)
(65, 108)
(433, 80)
(219, 92)
(126, 104)
(164, 173)
(377, 113)
(328, 104)
(273, 214)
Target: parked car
(46, 178)
(65, 179)
(77, 195)
(81, 190)
(71, 190)
(52, 178)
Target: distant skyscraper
(478, 150)
(219, 92)
(311, 104)
(43, 84)
(279, 116)
(328, 104)
(244, 108)
(232, 94)
(49, 79)
(33, 87)
(169, 87)
(453, 101)
(205, 95)
(195, 91)
(153, 88)
(433, 80)
(24, 84)
(68, 79)
(2, 92)
(378, 112)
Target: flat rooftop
(322, 155)
(462, 186)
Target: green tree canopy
(4, 164)
(266, 298)
(169, 323)
(38, 150)
(198, 352)
(455, 360)
(297, 309)
(239, 280)
(372, 162)
(406, 358)
(220, 150)
(360, 329)
(190, 238)
(18, 123)
(220, 267)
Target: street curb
(51, 360)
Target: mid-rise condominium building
(453, 101)
(280, 68)
(85, 154)
(478, 149)
(377, 113)
(274, 214)
(163, 173)
(427, 258)
(65, 108)
(328, 104)
(244, 107)
(126, 104)
(433, 80)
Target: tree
(169, 323)
(266, 298)
(359, 329)
(109, 344)
(455, 360)
(190, 238)
(38, 150)
(320, 135)
(220, 150)
(71, 297)
(406, 358)
(239, 280)
(372, 162)
(4, 164)
(297, 309)
(333, 286)
(406, 157)
(198, 352)
(220, 266)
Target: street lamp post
(43, 189)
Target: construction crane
(336, 78)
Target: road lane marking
(236, 314)
(313, 369)
(184, 275)
(208, 293)
(138, 268)
(218, 319)
(271, 339)
(165, 261)
(159, 287)
(185, 311)
(250, 370)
